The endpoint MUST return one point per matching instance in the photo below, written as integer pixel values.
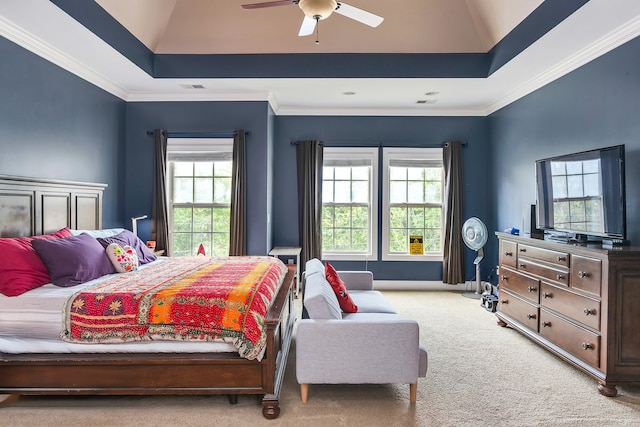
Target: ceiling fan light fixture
(318, 9)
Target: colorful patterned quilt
(192, 298)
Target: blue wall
(386, 131)
(56, 125)
(595, 106)
(199, 117)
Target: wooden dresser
(581, 302)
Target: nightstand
(284, 251)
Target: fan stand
(478, 293)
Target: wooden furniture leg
(304, 392)
(413, 392)
(607, 390)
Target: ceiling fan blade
(307, 27)
(359, 15)
(267, 4)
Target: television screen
(583, 193)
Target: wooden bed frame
(33, 206)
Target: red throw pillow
(345, 301)
(21, 269)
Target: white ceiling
(594, 29)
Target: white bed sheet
(33, 322)
(12, 345)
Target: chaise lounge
(374, 345)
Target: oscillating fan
(474, 235)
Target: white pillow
(99, 234)
(123, 258)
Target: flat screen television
(581, 196)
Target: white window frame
(393, 153)
(196, 148)
(369, 154)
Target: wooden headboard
(31, 206)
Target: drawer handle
(523, 265)
(545, 324)
(523, 250)
(508, 253)
(562, 258)
(560, 276)
(505, 278)
(531, 316)
(583, 274)
(547, 294)
(531, 289)
(587, 346)
(504, 301)
(589, 312)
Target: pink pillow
(344, 299)
(21, 269)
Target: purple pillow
(128, 238)
(73, 260)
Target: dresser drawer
(557, 275)
(517, 308)
(583, 344)
(577, 307)
(586, 274)
(508, 253)
(561, 259)
(525, 286)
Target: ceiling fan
(317, 10)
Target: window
(412, 203)
(199, 175)
(577, 203)
(349, 203)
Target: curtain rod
(364, 144)
(211, 133)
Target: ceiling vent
(426, 101)
(192, 86)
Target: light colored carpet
(479, 374)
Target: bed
(41, 366)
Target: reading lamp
(134, 223)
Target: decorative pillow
(124, 259)
(21, 269)
(314, 266)
(345, 301)
(128, 238)
(201, 250)
(73, 260)
(320, 301)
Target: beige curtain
(309, 157)
(238, 235)
(159, 213)
(453, 270)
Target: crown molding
(197, 96)
(614, 39)
(413, 112)
(24, 39)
